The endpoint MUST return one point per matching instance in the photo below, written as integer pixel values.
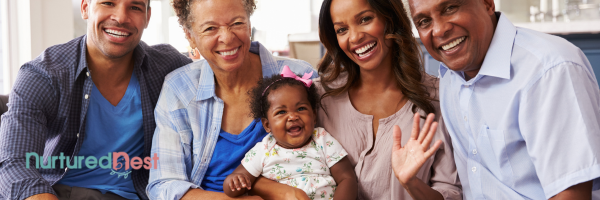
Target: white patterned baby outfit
(306, 168)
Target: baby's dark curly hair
(259, 104)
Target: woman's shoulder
(274, 64)
(184, 81)
(432, 84)
(190, 71)
(297, 66)
(291, 62)
(339, 82)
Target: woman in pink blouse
(372, 79)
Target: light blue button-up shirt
(188, 122)
(528, 125)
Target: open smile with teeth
(115, 33)
(228, 53)
(294, 130)
(453, 44)
(366, 50)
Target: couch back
(3, 107)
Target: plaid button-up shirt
(47, 110)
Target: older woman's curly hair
(183, 10)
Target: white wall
(1, 43)
(9, 42)
(79, 24)
(275, 19)
(31, 27)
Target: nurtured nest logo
(91, 162)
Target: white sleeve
(253, 160)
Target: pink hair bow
(287, 73)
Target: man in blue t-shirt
(81, 115)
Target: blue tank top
(228, 154)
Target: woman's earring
(194, 54)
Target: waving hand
(407, 160)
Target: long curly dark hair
(406, 55)
(183, 10)
(259, 103)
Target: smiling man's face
(455, 32)
(115, 27)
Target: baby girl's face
(290, 117)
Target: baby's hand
(238, 181)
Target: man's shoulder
(536, 54)
(59, 56)
(548, 50)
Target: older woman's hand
(407, 160)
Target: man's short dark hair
(147, 5)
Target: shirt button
(77, 134)
(464, 117)
(466, 86)
(87, 96)
(87, 73)
(474, 169)
(474, 151)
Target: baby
(294, 152)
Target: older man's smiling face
(455, 32)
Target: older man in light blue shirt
(522, 107)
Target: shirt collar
(497, 58)
(206, 87)
(82, 65)
(139, 54)
(443, 70)
(267, 60)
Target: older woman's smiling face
(221, 32)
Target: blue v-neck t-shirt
(110, 129)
